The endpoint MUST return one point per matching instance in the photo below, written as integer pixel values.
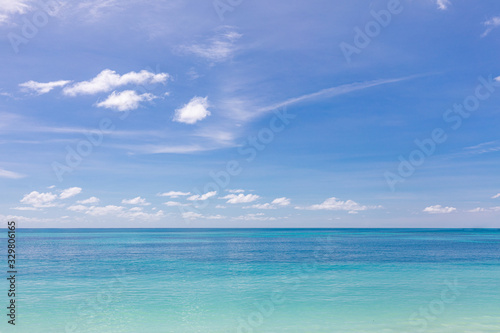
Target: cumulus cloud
(202, 197)
(136, 201)
(240, 198)
(10, 174)
(219, 48)
(125, 100)
(278, 202)
(443, 4)
(39, 200)
(70, 192)
(335, 204)
(195, 110)
(438, 209)
(108, 80)
(174, 194)
(42, 88)
(91, 200)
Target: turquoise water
(331, 280)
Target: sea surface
(255, 280)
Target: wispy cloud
(42, 88)
(443, 4)
(12, 7)
(491, 24)
(219, 48)
(10, 174)
(334, 91)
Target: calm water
(160, 280)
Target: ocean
(255, 280)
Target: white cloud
(70, 192)
(105, 210)
(174, 204)
(331, 92)
(24, 208)
(136, 213)
(443, 4)
(278, 202)
(335, 204)
(10, 174)
(195, 110)
(125, 100)
(235, 191)
(42, 88)
(174, 194)
(78, 208)
(255, 217)
(39, 200)
(218, 49)
(240, 198)
(194, 216)
(202, 197)
(438, 209)
(51, 186)
(496, 196)
(191, 215)
(281, 201)
(476, 210)
(490, 25)
(220, 207)
(136, 201)
(91, 200)
(12, 7)
(108, 80)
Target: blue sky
(250, 113)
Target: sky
(243, 114)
